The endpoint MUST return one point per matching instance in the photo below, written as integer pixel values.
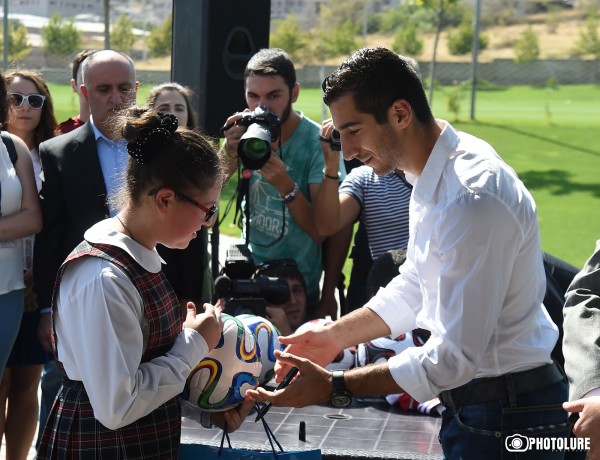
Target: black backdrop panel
(212, 43)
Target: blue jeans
(477, 431)
(51, 381)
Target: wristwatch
(340, 397)
(288, 198)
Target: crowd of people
(107, 296)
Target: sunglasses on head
(35, 101)
(208, 211)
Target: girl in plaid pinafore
(119, 332)
(72, 425)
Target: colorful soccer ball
(383, 348)
(219, 382)
(268, 341)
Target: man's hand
(45, 331)
(588, 425)
(208, 324)
(318, 344)
(279, 319)
(332, 157)
(233, 134)
(275, 173)
(234, 417)
(312, 386)
(328, 305)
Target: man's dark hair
(282, 268)
(376, 77)
(270, 62)
(78, 59)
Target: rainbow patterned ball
(219, 382)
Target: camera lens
(255, 148)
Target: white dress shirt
(113, 158)
(473, 275)
(102, 334)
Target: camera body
(243, 294)
(336, 141)
(263, 127)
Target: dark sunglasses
(209, 211)
(35, 101)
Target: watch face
(341, 399)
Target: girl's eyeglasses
(209, 211)
(35, 101)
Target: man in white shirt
(473, 277)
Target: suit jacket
(74, 199)
(581, 343)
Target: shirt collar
(426, 184)
(100, 135)
(104, 233)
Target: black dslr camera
(243, 294)
(264, 127)
(335, 141)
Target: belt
(486, 389)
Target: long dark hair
(47, 126)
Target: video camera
(244, 294)
(264, 127)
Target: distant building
(280, 9)
(66, 8)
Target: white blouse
(11, 252)
(102, 334)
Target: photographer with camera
(280, 152)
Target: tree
(527, 48)
(339, 12)
(59, 37)
(460, 42)
(589, 41)
(407, 42)
(289, 37)
(338, 40)
(122, 37)
(440, 7)
(18, 45)
(159, 40)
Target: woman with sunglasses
(189, 270)
(31, 118)
(121, 338)
(20, 216)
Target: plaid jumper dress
(72, 432)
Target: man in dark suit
(81, 170)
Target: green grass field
(549, 136)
